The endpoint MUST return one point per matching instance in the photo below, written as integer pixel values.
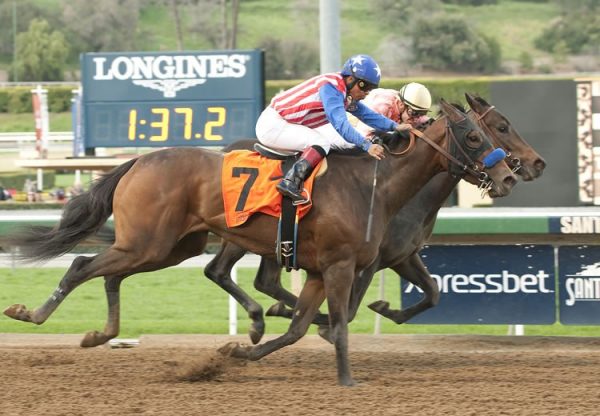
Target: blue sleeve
(333, 104)
(373, 119)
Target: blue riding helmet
(363, 67)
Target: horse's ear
(478, 104)
(453, 113)
(472, 102)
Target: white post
(42, 128)
(329, 35)
(518, 330)
(377, 326)
(233, 306)
(40, 180)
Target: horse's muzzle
(503, 180)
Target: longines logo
(170, 73)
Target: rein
(473, 169)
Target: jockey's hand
(403, 127)
(377, 151)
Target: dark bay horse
(407, 232)
(165, 203)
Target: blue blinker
(493, 157)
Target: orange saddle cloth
(248, 182)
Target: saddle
(287, 229)
(248, 181)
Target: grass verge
(183, 301)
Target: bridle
(513, 162)
(471, 167)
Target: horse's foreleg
(73, 278)
(219, 271)
(311, 297)
(268, 281)
(112, 285)
(337, 289)
(360, 285)
(413, 270)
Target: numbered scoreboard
(150, 99)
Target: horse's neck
(428, 201)
(409, 175)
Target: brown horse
(165, 203)
(412, 226)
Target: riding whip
(370, 220)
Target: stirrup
(287, 194)
(303, 201)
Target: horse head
(473, 155)
(523, 159)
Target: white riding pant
(274, 131)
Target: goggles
(366, 86)
(415, 113)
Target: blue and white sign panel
(579, 282)
(576, 224)
(488, 285)
(158, 99)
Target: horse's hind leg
(112, 285)
(73, 278)
(219, 271)
(191, 245)
(413, 270)
(112, 261)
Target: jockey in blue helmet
(311, 117)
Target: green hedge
(452, 90)
(18, 99)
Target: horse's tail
(82, 216)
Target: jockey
(312, 115)
(409, 106)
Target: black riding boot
(291, 184)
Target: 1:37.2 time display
(182, 123)
(162, 117)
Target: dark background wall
(544, 113)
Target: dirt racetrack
(397, 375)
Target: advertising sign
(488, 285)
(574, 224)
(149, 99)
(579, 283)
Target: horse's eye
(503, 128)
(474, 140)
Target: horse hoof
(325, 333)
(18, 312)
(234, 349)
(276, 310)
(93, 339)
(379, 306)
(256, 332)
(346, 382)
